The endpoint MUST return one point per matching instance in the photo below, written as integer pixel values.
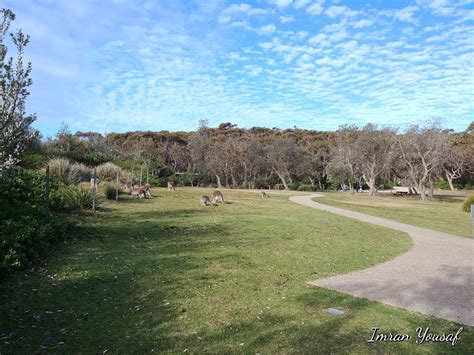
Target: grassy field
(443, 213)
(169, 275)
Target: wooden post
(94, 187)
(46, 196)
(117, 188)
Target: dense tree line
(227, 156)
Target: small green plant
(76, 197)
(466, 205)
(110, 191)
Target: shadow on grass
(123, 287)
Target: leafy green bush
(466, 205)
(442, 184)
(25, 233)
(294, 185)
(305, 188)
(156, 181)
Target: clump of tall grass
(77, 197)
(60, 168)
(110, 191)
(80, 172)
(67, 172)
(107, 171)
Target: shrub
(156, 181)
(110, 191)
(442, 184)
(466, 205)
(304, 187)
(294, 185)
(107, 171)
(77, 197)
(80, 172)
(25, 234)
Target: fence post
(117, 188)
(94, 187)
(46, 196)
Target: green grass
(169, 275)
(442, 214)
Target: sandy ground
(435, 277)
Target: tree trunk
(312, 182)
(421, 189)
(371, 184)
(219, 185)
(351, 188)
(450, 181)
(283, 181)
(432, 187)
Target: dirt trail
(435, 277)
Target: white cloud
(281, 4)
(286, 19)
(298, 4)
(363, 23)
(315, 8)
(234, 10)
(266, 30)
(441, 7)
(318, 38)
(335, 11)
(406, 14)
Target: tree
(344, 155)
(457, 158)
(374, 153)
(421, 152)
(286, 159)
(15, 124)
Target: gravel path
(435, 277)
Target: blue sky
(122, 65)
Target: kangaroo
(138, 193)
(217, 197)
(171, 186)
(205, 200)
(146, 190)
(263, 194)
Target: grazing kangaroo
(138, 193)
(141, 191)
(205, 200)
(171, 186)
(146, 190)
(263, 194)
(217, 197)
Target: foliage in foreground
(24, 231)
(466, 205)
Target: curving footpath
(435, 277)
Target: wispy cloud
(314, 64)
